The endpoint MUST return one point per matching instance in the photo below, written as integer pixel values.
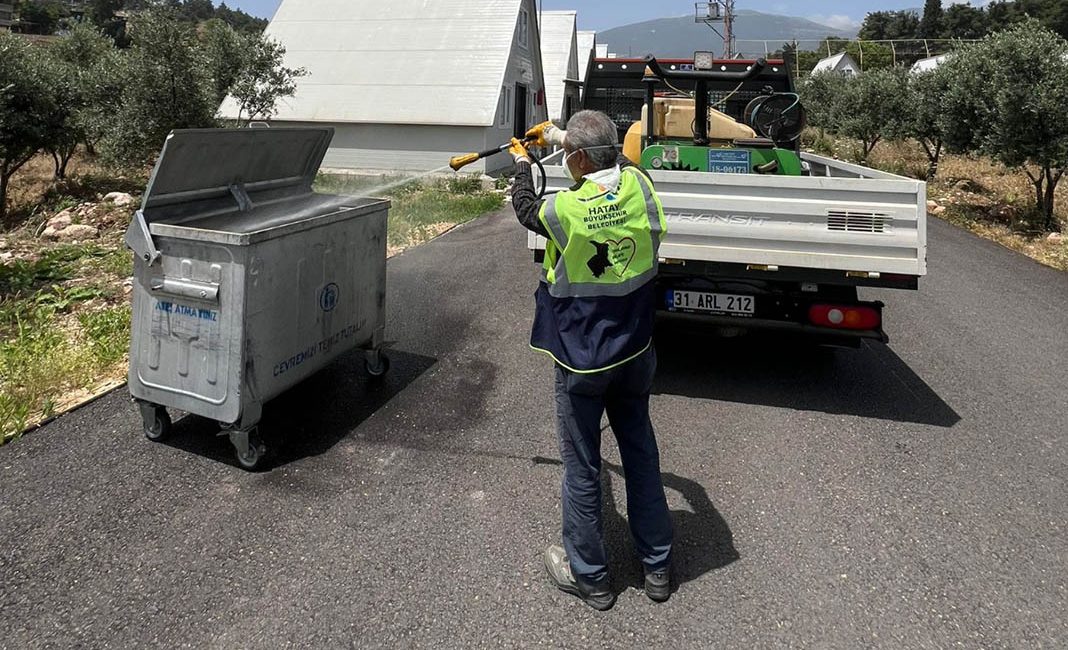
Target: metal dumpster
(246, 281)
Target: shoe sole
(658, 595)
(600, 604)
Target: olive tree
(225, 49)
(167, 86)
(88, 68)
(28, 108)
(924, 112)
(1008, 98)
(263, 79)
(874, 108)
(249, 68)
(823, 94)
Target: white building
(602, 50)
(407, 84)
(559, 56)
(926, 65)
(587, 50)
(841, 62)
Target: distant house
(602, 50)
(841, 62)
(6, 11)
(409, 83)
(926, 65)
(587, 50)
(559, 58)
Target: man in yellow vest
(594, 316)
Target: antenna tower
(713, 13)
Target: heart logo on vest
(615, 254)
(622, 253)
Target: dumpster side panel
(187, 309)
(312, 297)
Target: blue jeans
(581, 400)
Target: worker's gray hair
(596, 133)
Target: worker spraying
(594, 317)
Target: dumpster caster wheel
(160, 428)
(377, 370)
(250, 450)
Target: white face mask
(567, 168)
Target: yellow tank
(674, 118)
(632, 143)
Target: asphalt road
(904, 496)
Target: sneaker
(597, 597)
(658, 584)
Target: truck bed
(840, 218)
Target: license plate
(711, 303)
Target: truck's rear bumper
(826, 334)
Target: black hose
(541, 169)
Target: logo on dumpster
(328, 297)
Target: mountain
(681, 37)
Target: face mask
(567, 168)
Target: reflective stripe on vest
(555, 269)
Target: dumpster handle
(186, 289)
(139, 239)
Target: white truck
(771, 251)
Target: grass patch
(422, 209)
(64, 317)
(108, 265)
(40, 361)
(56, 341)
(108, 333)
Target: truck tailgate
(842, 217)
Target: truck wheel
(252, 457)
(377, 370)
(160, 429)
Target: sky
(605, 14)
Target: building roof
(401, 62)
(926, 65)
(840, 61)
(587, 45)
(558, 57)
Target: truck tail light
(845, 317)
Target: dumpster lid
(201, 164)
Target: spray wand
(459, 162)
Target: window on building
(504, 113)
(523, 29)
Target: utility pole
(719, 11)
(728, 28)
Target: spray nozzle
(459, 162)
